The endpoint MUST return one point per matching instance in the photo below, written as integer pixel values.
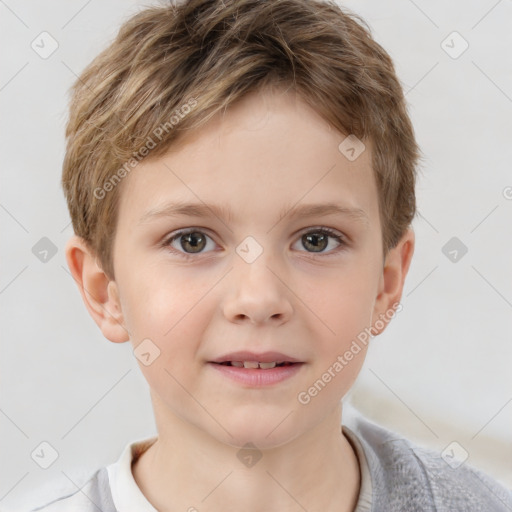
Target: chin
(263, 432)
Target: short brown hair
(171, 68)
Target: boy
(240, 176)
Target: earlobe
(396, 266)
(99, 293)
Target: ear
(396, 266)
(99, 293)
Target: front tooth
(238, 364)
(251, 364)
(267, 365)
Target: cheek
(340, 329)
(163, 319)
(341, 304)
(340, 338)
(156, 302)
(166, 311)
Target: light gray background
(440, 372)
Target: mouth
(257, 369)
(255, 373)
(257, 365)
(262, 360)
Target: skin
(267, 151)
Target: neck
(186, 469)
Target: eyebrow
(203, 210)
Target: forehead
(269, 150)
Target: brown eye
(189, 242)
(317, 242)
(193, 242)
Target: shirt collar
(126, 494)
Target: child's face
(215, 294)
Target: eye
(188, 242)
(318, 240)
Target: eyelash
(320, 230)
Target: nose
(258, 293)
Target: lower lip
(255, 377)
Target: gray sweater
(396, 476)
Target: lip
(263, 357)
(255, 377)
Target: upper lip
(263, 357)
